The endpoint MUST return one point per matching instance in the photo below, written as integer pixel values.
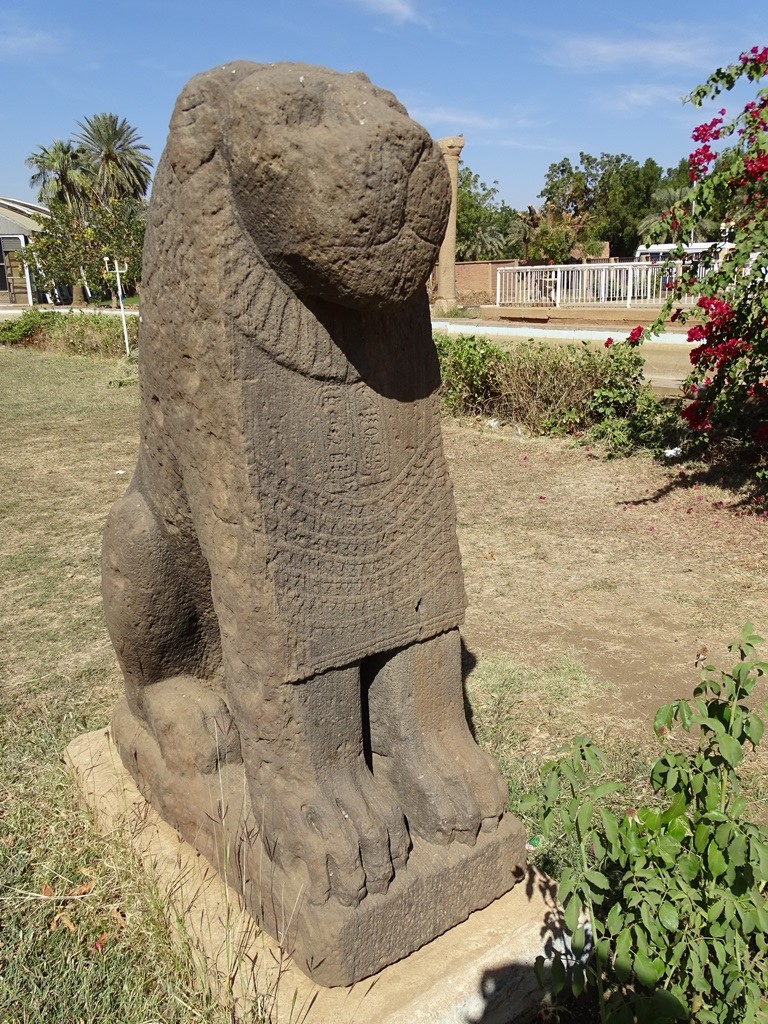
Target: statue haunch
(282, 580)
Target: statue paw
(191, 724)
(449, 789)
(348, 833)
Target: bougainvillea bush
(727, 389)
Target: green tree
(117, 161)
(59, 173)
(94, 186)
(665, 227)
(116, 229)
(60, 249)
(521, 232)
(562, 236)
(480, 218)
(489, 229)
(72, 244)
(625, 198)
(612, 191)
(567, 189)
(679, 176)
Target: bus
(692, 251)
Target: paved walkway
(9, 312)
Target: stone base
(479, 971)
(335, 945)
(442, 306)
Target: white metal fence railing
(631, 284)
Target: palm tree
(522, 229)
(59, 174)
(664, 199)
(118, 162)
(487, 243)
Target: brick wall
(476, 282)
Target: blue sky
(526, 83)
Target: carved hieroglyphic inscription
(360, 561)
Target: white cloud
(598, 52)
(633, 97)
(458, 119)
(531, 144)
(400, 10)
(24, 42)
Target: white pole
(48, 295)
(120, 299)
(27, 279)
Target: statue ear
(195, 129)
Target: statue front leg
(446, 785)
(313, 793)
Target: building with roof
(17, 225)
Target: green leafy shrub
(30, 328)
(94, 334)
(470, 368)
(75, 333)
(552, 389)
(674, 892)
(623, 411)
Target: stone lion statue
(282, 580)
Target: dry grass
(83, 936)
(626, 567)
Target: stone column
(451, 147)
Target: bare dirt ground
(630, 567)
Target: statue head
(344, 195)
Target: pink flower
(699, 162)
(608, 342)
(696, 416)
(755, 56)
(757, 166)
(718, 310)
(729, 350)
(634, 336)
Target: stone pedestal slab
(479, 972)
(335, 945)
